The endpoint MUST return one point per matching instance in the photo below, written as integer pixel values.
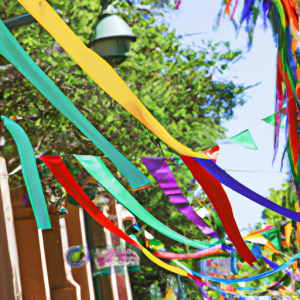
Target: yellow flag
(170, 295)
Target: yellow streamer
(288, 228)
(162, 264)
(298, 225)
(100, 71)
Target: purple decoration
(159, 169)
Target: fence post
(10, 279)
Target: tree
(175, 82)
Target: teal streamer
(30, 173)
(100, 172)
(13, 52)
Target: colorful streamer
(13, 52)
(218, 197)
(30, 173)
(65, 178)
(288, 228)
(210, 251)
(100, 172)
(230, 182)
(159, 169)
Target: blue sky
(258, 65)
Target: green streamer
(30, 173)
(100, 172)
(13, 52)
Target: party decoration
(77, 256)
(273, 119)
(243, 139)
(63, 175)
(274, 236)
(207, 252)
(288, 228)
(230, 182)
(212, 153)
(159, 169)
(107, 79)
(170, 295)
(30, 173)
(100, 172)
(218, 197)
(259, 239)
(14, 53)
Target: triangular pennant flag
(170, 295)
(212, 153)
(244, 139)
(271, 120)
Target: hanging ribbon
(66, 179)
(215, 192)
(207, 252)
(288, 228)
(13, 52)
(159, 169)
(30, 173)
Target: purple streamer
(159, 169)
(233, 184)
(274, 266)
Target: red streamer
(220, 201)
(66, 179)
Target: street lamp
(112, 39)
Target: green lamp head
(113, 38)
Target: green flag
(271, 120)
(244, 139)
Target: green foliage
(175, 83)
